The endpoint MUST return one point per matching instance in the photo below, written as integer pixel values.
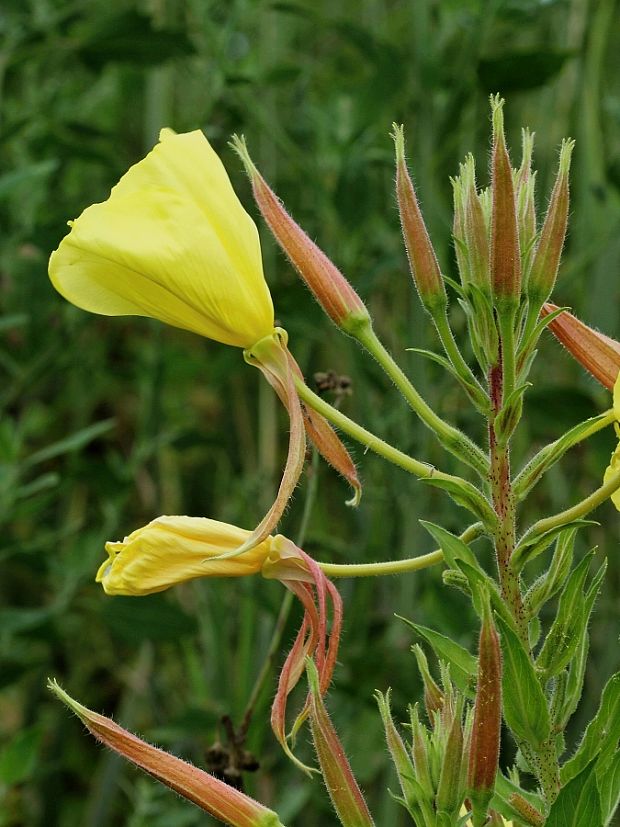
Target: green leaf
(466, 495)
(602, 734)
(504, 788)
(608, 782)
(529, 548)
(563, 636)
(153, 617)
(579, 802)
(549, 583)
(523, 69)
(18, 759)
(525, 706)
(453, 547)
(73, 442)
(527, 478)
(463, 665)
(509, 416)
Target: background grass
(107, 423)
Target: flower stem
(470, 384)
(409, 564)
(449, 436)
(462, 491)
(578, 511)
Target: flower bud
(433, 696)
(484, 747)
(450, 790)
(529, 814)
(524, 183)
(458, 231)
(597, 353)
(222, 801)
(546, 261)
(422, 259)
(505, 255)
(476, 236)
(398, 750)
(330, 288)
(343, 789)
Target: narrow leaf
(463, 665)
(525, 707)
(579, 802)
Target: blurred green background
(107, 423)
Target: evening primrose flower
(173, 242)
(173, 549)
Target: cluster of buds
(450, 768)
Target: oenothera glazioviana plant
(174, 243)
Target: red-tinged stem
(504, 506)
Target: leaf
(504, 788)
(602, 734)
(529, 548)
(18, 758)
(73, 442)
(465, 495)
(527, 478)
(130, 37)
(608, 782)
(563, 636)
(579, 802)
(521, 69)
(453, 547)
(525, 706)
(463, 665)
(548, 584)
(152, 617)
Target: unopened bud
(546, 259)
(485, 736)
(222, 801)
(397, 748)
(597, 353)
(505, 255)
(458, 231)
(422, 259)
(420, 749)
(330, 288)
(529, 814)
(476, 236)
(343, 789)
(450, 791)
(433, 696)
(525, 181)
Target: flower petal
(171, 550)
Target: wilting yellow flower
(171, 550)
(171, 242)
(614, 463)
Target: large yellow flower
(614, 463)
(172, 242)
(171, 550)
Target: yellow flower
(171, 242)
(614, 463)
(171, 550)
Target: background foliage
(108, 423)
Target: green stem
(506, 322)
(396, 566)
(578, 511)
(462, 492)
(449, 436)
(470, 384)
(527, 478)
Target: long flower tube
(173, 549)
(220, 800)
(600, 355)
(173, 242)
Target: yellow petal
(613, 468)
(617, 398)
(172, 242)
(171, 550)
